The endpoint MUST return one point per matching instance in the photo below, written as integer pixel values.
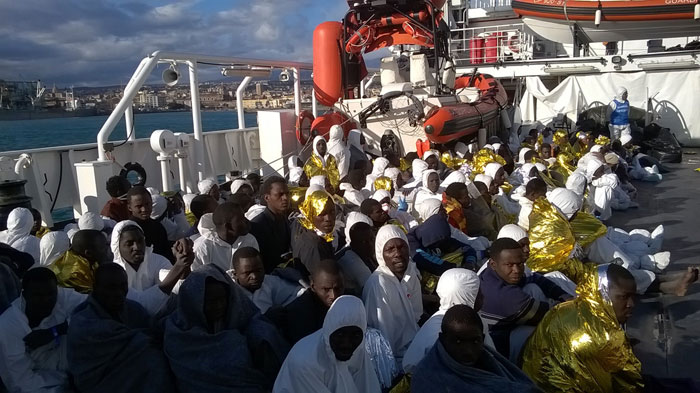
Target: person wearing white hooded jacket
(430, 188)
(456, 286)
(339, 150)
(334, 358)
(17, 235)
(151, 277)
(392, 294)
(604, 250)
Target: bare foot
(684, 282)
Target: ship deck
(665, 329)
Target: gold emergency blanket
(383, 183)
(191, 218)
(452, 162)
(587, 228)
(482, 158)
(42, 231)
(552, 242)
(74, 271)
(314, 167)
(561, 139)
(602, 140)
(312, 207)
(579, 347)
(404, 165)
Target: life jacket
(620, 116)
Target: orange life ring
(359, 39)
(322, 124)
(304, 128)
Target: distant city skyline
(100, 42)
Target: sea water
(33, 134)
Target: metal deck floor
(665, 329)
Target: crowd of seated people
(484, 269)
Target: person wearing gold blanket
(579, 346)
(561, 236)
(321, 163)
(76, 267)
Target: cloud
(100, 42)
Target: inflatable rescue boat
(450, 122)
(413, 26)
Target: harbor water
(33, 134)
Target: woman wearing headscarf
(338, 149)
(322, 163)
(456, 286)
(430, 188)
(19, 226)
(334, 358)
(52, 246)
(392, 295)
(216, 340)
(313, 232)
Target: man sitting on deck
(116, 208)
(460, 362)
(580, 345)
(140, 206)
(110, 348)
(231, 234)
(305, 315)
(264, 290)
(32, 343)
(75, 268)
(272, 228)
(514, 303)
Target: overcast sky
(100, 42)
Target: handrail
(147, 65)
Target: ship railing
(248, 68)
(52, 173)
(491, 44)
